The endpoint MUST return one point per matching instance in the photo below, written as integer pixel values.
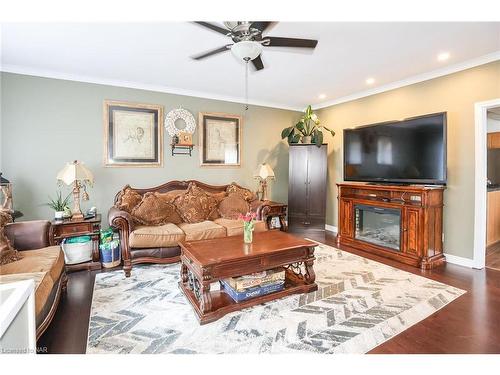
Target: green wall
(48, 122)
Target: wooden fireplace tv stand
(403, 223)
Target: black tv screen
(407, 151)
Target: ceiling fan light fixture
(246, 50)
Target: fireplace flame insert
(378, 225)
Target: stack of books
(254, 285)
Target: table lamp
(79, 176)
(263, 173)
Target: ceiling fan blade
(211, 52)
(275, 41)
(257, 63)
(213, 27)
(262, 26)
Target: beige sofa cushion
(45, 266)
(202, 231)
(235, 227)
(43, 286)
(49, 259)
(166, 235)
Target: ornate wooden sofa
(159, 244)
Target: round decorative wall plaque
(179, 114)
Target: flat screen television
(410, 151)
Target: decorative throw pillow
(195, 205)
(7, 253)
(232, 206)
(244, 193)
(219, 196)
(155, 209)
(128, 199)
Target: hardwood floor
(470, 324)
(493, 256)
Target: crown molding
(485, 59)
(18, 69)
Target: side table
(68, 228)
(272, 209)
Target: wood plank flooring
(470, 324)
(493, 256)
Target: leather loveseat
(158, 243)
(39, 261)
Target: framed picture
(133, 134)
(220, 140)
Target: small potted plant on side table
(248, 226)
(59, 205)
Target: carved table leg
(205, 298)
(184, 273)
(283, 225)
(310, 276)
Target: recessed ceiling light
(370, 81)
(443, 56)
(322, 96)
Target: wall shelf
(182, 149)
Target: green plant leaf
(286, 132)
(318, 138)
(332, 132)
(295, 138)
(59, 204)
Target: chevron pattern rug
(359, 304)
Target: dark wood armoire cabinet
(307, 187)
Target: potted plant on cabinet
(59, 205)
(307, 130)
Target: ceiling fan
(249, 40)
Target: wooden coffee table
(207, 261)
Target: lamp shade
(75, 171)
(246, 49)
(264, 171)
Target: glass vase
(248, 232)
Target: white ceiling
(156, 56)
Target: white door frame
(480, 176)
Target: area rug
(360, 304)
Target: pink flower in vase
(248, 226)
(248, 217)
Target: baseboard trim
(331, 228)
(459, 261)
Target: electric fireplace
(378, 225)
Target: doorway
(482, 110)
(493, 188)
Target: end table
(272, 209)
(68, 228)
